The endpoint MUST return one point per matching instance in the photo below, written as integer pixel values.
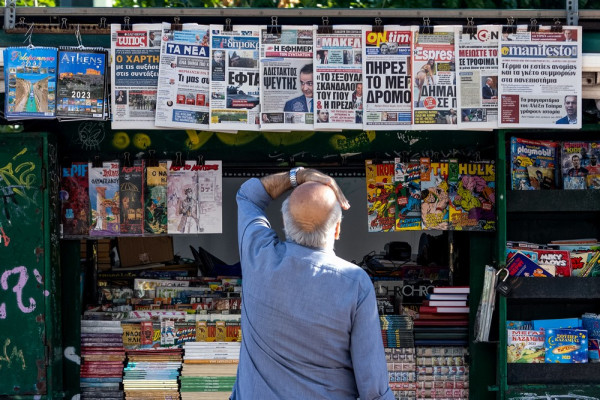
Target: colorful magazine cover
(473, 197)
(575, 159)
(525, 346)
(408, 192)
(81, 85)
(155, 215)
(381, 199)
(104, 199)
(30, 76)
(566, 346)
(182, 198)
(527, 152)
(210, 197)
(75, 200)
(131, 181)
(434, 197)
(541, 178)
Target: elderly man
(309, 319)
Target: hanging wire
(28, 36)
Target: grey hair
(321, 237)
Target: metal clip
(325, 28)
(557, 26)
(426, 28)
(126, 25)
(28, 36)
(175, 25)
(377, 27)
(227, 27)
(470, 28)
(274, 28)
(533, 25)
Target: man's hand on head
(312, 175)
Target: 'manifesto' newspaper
(338, 78)
(286, 73)
(386, 67)
(183, 79)
(478, 77)
(134, 75)
(540, 78)
(235, 78)
(434, 77)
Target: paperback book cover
(30, 76)
(536, 153)
(525, 346)
(560, 259)
(155, 216)
(566, 346)
(520, 265)
(131, 181)
(182, 198)
(575, 158)
(81, 85)
(104, 199)
(381, 198)
(407, 178)
(434, 197)
(473, 197)
(75, 200)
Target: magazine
(381, 198)
(75, 200)
(104, 199)
(527, 152)
(575, 159)
(408, 190)
(525, 346)
(472, 197)
(434, 197)
(155, 213)
(131, 193)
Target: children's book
(381, 197)
(566, 346)
(580, 262)
(472, 197)
(75, 200)
(535, 153)
(434, 197)
(30, 76)
(182, 198)
(407, 179)
(104, 199)
(155, 213)
(560, 259)
(131, 181)
(575, 159)
(525, 346)
(81, 84)
(521, 265)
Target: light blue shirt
(310, 328)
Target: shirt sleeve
(366, 347)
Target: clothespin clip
(227, 27)
(200, 160)
(175, 25)
(377, 27)
(126, 26)
(126, 160)
(426, 28)
(510, 26)
(178, 160)
(533, 26)
(557, 26)
(325, 28)
(274, 28)
(469, 28)
(152, 161)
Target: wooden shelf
(557, 374)
(554, 201)
(572, 288)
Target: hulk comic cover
(472, 196)
(434, 195)
(407, 178)
(381, 198)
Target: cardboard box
(145, 250)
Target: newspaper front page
(386, 65)
(183, 78)
(478, 77)
(540, 78)
(338, 78)
(434, 77)
(235, 78)
(286, 74)
(135, 56)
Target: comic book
(210, 197)
(182, 198)
(434, 195)
(575, 159)
(593, 176)
(525, 346)
(381, 199)
(75, 200)
(536, 153)
(407, 178)
(104, 199)
(155, 213)
(560, 259)
(131, 182)
(566, 346)
(472, 196)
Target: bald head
(311, 214)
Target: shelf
(555, 201)
(588, 373)
(556, 288)
(542, 392)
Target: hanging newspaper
(286, 73)
(386, 65)
(183, 78)
(235, 78)
(135, 55)
(540, 78)
(478, 77)
(30, 76)
(338, 77)
(434, 77)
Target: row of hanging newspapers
(254, 78)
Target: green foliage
(33, 3)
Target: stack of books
(152, 374)
(402, 368)
(443, 318)
(442, 373)
(397, 331)
(102, 357)
(209, 370)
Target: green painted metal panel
(558, 392)
(23, 267)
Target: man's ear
(338, 228)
